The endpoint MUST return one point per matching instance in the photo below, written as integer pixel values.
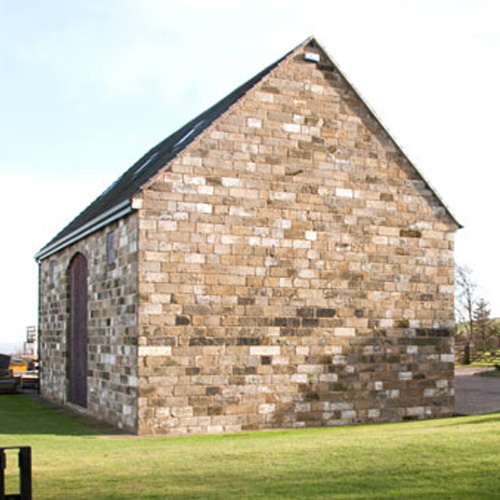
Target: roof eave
(115, 213)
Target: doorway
(78, 337)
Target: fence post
(24, 461)
(25, 472)
(2, 474)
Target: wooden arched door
(77, 349)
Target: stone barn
(276, 262)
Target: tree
(482, 323)
(465, 302)
(485, 327)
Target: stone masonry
(112, 347)
(289, 268)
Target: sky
(88, 86)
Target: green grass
(441, 459)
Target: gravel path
(476, 395)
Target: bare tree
(465, 302)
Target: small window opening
(52, 267)
(111, 247)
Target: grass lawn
(442, 459)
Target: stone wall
(112, 324)
(294, 270)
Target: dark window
(52, 266)
(111, 247)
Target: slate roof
(115, 201)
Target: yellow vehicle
(18, 366)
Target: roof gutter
(117, 212)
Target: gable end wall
(294, 270)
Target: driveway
(475, 395)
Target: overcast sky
(88, 86)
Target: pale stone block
(266, 409)
(231, 181)
(344, 332)
(265, 350)
(416, 411)
(412, 349)
(155, 350)
(199, 181)
(302, 407)
(333, 349)
(215, 429)
(291, 127)
(378, 385)
(344, 193)
(151, 308)
(405, 375)
(282, 196)
(448, 358)
(348, 414)
(254, 123)
(373, 413)
(108, 359)
(194, 258)
(330, 406)
(264, 97)
(299, 378)
(204, 208)
(167, 225)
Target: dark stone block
(244, 370)
(182, 320)
(310, 322)
(286, 321)
(247, 341)
(311, 396)
(237, 380)
(386, 197)
(214, 410)
(280, 321)
(246, 301)
(211, 391)
(359, 313)
(306, 312)
(434, 332)
(426, 297)
(288, 332)
(410, 233)
(326, 313)
(202, 341)
(265, 360)
(192, 370)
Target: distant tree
(465, 303)
(482, 324)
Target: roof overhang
(117, 212)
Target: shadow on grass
(22, 414)
(487, 418)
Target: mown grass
(441, 459)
